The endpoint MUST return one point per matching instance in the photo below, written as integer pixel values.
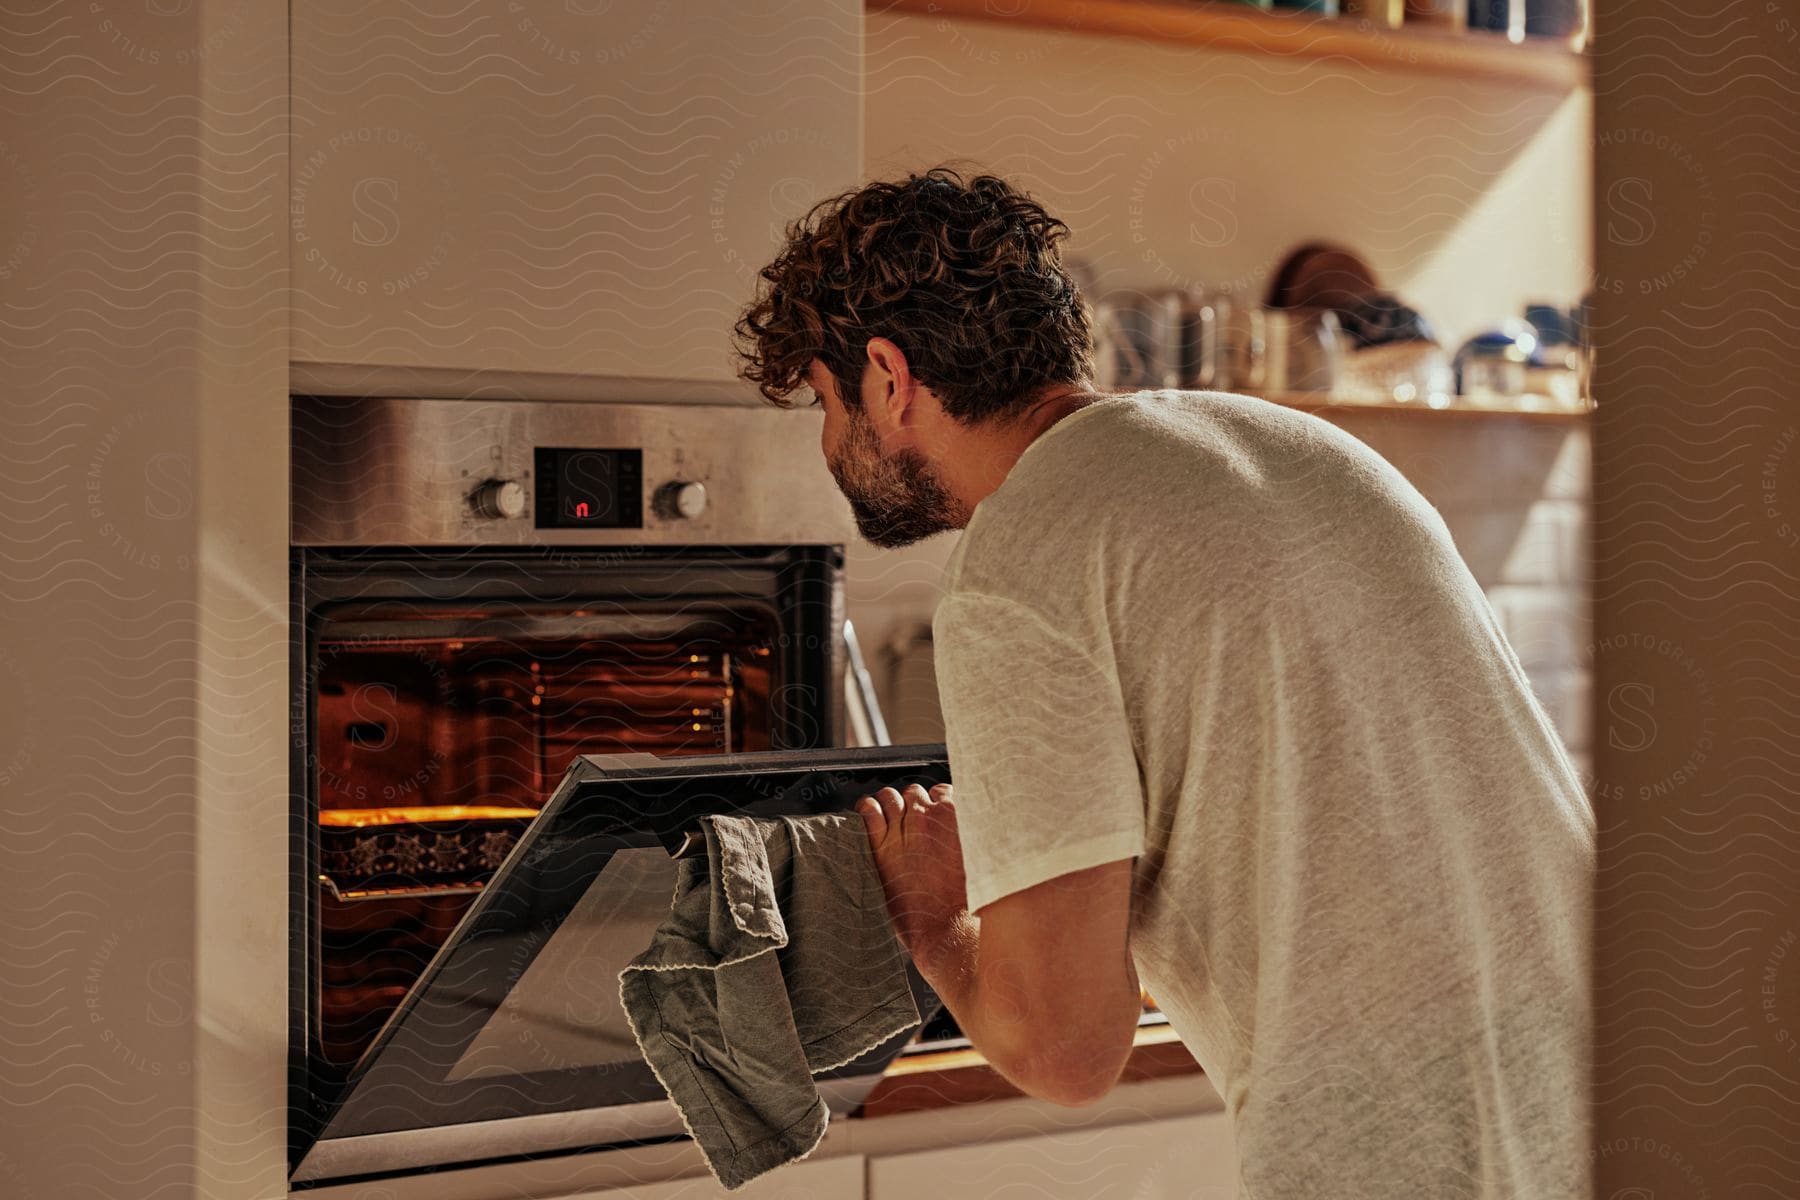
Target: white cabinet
(609, 1176)
(1183, 1158)
(809, 1179)
(573, 187)
(1188, 1157)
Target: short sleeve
(1042, 761)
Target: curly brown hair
(966, 277)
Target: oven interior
(440, 733)
(441, 696)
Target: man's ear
(888, 386)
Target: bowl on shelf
(1491, 366)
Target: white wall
(1183, 166)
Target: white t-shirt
(1227, 639)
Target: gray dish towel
(777, 962)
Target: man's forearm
(992, 1015)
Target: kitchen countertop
(947, 1078)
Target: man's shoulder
(1148, 461)
(1130, 430)
(1228, 477)
(1117, 473)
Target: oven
(533, 644)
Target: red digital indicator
(589, 488)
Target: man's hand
(1042, 982)
(912, 835)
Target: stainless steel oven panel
(484, 1140)
(419, 472)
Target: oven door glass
(512, 1040)
(438, 733)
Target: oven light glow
(361, 818)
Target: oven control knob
(682, 499)
(500, 499)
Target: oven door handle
(864, 710)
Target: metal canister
(1137, 337)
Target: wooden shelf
(1538, 62)
(1540, 408)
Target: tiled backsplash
(1513, 491)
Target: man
(1228, 719)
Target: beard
(897, 498)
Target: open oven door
(512, 1041)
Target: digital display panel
(589, 488)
